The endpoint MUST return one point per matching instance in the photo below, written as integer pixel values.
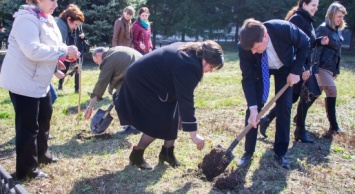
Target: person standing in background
(141, 32)
(68, 22)
(122, 29)
(328, 61)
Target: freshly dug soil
(230, 181)
(215, 163)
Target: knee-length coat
(158, 90)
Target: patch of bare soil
(215, 163)
(229, 181)
(84, 135)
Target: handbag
(310, 87)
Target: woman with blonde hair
(328, 60)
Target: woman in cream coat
(35, 49)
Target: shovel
(219, 158)
(101, 120)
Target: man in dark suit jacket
(283, 42)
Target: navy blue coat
(157, 89)
(290, 43)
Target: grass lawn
(99, 164)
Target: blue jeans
(53, 93)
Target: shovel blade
(100, 122)
(216, 162)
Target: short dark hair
(251, 32)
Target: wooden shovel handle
(263, 111)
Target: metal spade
(101, 120)
(223, 160)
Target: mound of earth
(229, 181)
(215, 163)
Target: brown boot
(167, 155)
(136, 159)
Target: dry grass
(99, 164)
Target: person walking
(157, 96)
(266, 49)
(328, 57)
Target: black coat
(328, 56)
(157, 89)
(304, 21)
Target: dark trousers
(32, 123)
(272, 113)
(283, 112)
(76, 76)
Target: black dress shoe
(301, 134)
(282, 161)
(46, 160)
(129, 130)
(245, 160)
(263, 125)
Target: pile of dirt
(229, 181)
(215, 163)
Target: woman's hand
(59, 74)
(61, 65)
(72, 53)
(305, 75)
(325, 40)
(198, 140)
(142, 46)
(82, 35)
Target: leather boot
(301, 134)
(136, 159)
(167, 155)
(330, 103)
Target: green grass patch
(99, 164)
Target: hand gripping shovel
(101, 120)
(219, 158)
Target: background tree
(199, 19)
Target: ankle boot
(167, 155)
(330, 103)
(136, 159)
(301, 134)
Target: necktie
(266, 77)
